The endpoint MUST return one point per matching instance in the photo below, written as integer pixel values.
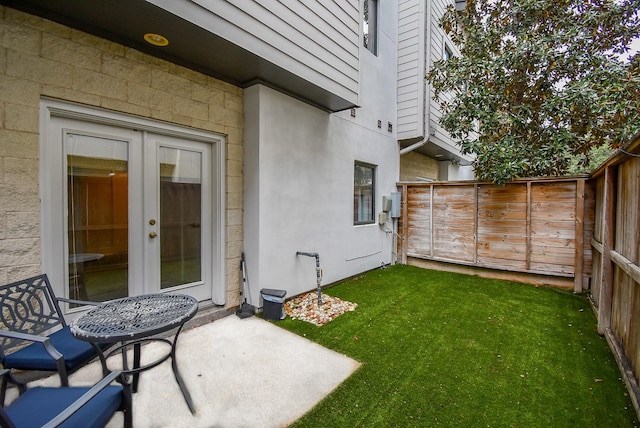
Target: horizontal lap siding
(317, 40)
(410, 69)
(437, 39)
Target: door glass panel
(180, 216)
(98, 230)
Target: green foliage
(538, 82)
(452, 350)
(582, 164)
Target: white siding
(420, 44)
(317, 40)
(436, 51)
(411, 84)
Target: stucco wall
(39, 58)
(299, 168)
(299, 194)
(453, 172)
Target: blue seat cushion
(39, 405)
(35, 357)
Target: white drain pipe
(413, 146)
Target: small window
(448, 54)
(370, 25)
(364, 184)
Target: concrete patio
(240, 373)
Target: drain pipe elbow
(413, 146)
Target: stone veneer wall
(42, 58)
(414, 165)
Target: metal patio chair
(69, 406)
(34, 335)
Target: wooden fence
(537, 228)
(615, 290)
(574, 233)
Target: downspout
(427, 66)
(413, 146)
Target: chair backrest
(28, 306)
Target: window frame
(357, 197)
(371, 35)
(447, 51)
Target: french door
(177, 211)
(138, 209)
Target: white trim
(108, 117)
(51, 233)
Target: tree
(539, 82)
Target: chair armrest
(78, 302)
(22, 336)
(51, 350)
(86, 397)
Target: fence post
(528, 228)
(476, 220)
(405, 222)
(606, 270)
(431, 225)
(579, 239)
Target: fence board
(616, 260)
(528, 225)
(508, 193)
(628, 230)
(509, 264)
(541, 264)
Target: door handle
(153, 235)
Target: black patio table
(133, 321)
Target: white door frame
(151, 208)
(51, 232)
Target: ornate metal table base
(133, 321)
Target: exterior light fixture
(156, 39)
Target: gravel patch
(305, 308)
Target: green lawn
(444, 349)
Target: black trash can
(273, 308)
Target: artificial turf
(445, 349)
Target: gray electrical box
(386, 204)
(395, 204)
